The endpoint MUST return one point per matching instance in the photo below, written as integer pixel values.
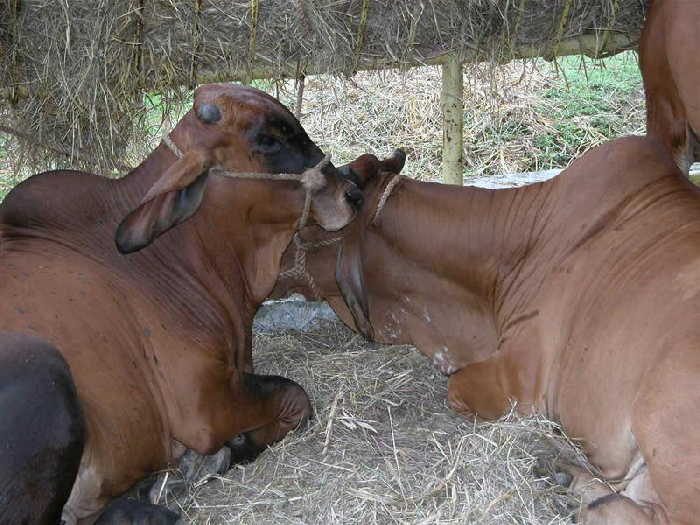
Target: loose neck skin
(227, 255)
(453, 257)
(459, 269)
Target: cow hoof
(552, 472)
(193, 468)
(127, 511)
(243, 450)
(562, 478)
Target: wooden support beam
(300, 96)
(589, 45)
(452, 121)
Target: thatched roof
(75, 72)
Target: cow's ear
(174, 197)
(350, 276)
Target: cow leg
(284, 400)
(42, 431)
(667, 431)
(127, 511)
(602, 505)
(479, 389)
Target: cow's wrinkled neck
(454, 262)
(473, 237)
(242, 230)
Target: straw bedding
(383, 448)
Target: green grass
(542, 115)
(594, 101)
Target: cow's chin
(341, 217)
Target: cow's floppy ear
(350, 276)
(174, 197)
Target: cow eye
(269, 144)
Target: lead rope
(311, 179)
(299, 270)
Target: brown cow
(158, 343)
(576, 297)
(670, 67)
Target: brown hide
(158, 341)
(670, 67)
(576, 297)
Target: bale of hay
(76, 72)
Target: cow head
(339, 270)
(238, 129)
(369, 172)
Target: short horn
(209, 113)
(396, 162)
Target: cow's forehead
(238, 95)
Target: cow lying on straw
(110, 365)
(576, 297)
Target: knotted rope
(298, 269)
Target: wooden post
(452, 121)
(300, 96)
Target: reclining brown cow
(670, 65)
(576, 297)
(110, 365)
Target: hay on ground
(509, 112)
(383, 448)
(76, 73)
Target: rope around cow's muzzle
(311, 179)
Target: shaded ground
(383, 448)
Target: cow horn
(396, 162)
(209, 113)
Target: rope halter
(300, 272)
(385, 196)
(311, 179)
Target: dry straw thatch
(76, 72)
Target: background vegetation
(525, 116)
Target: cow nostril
(354, 197)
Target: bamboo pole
(588, 44)
(452, 121)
